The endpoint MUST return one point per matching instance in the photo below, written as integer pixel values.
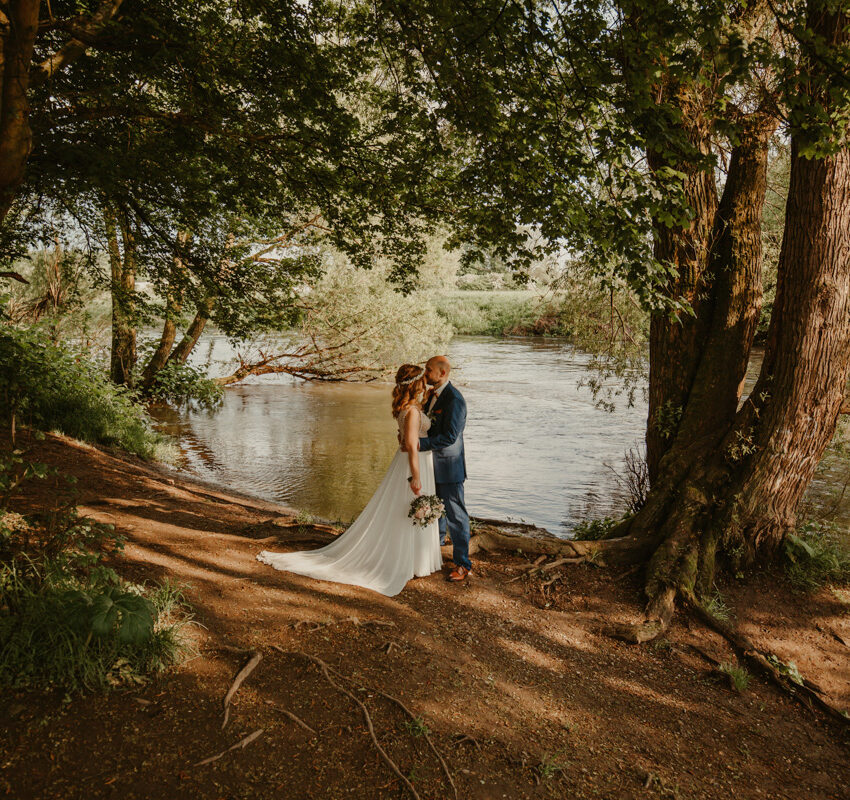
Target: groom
(447, 410)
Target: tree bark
(19, 23)
(18, 29)
(676, 342)
(183, 350)
(734, 479)
(173, 304)
(123, 287)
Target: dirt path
(523, 696)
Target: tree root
(287, 713)
(237, 682)
(325, 669)
(805, 693)
(238, 746)
(410, 714)
(625, 550)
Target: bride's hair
(409, 387)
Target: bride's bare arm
(411, 447)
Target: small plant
(416, 727)
(739, 678)
(789, 670)
(594, 529)
(816, 557)
(716, 606)
(550, 765)
(66, 619)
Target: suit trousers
(456, 522)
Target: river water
(538, 449)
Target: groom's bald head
(437, 370)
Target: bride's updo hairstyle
(409, 385)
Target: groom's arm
(453, 425)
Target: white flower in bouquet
(426, 509)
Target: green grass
(739, 678)
(550, 765)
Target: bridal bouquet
(425, 509)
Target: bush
(52, 388)
(184, 384)
(815, 556)
(66, 619)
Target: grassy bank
(501, 313)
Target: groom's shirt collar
(433, 401)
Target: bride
(382, 549)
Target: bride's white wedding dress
(382, 549)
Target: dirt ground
(522, 693)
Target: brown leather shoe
(459, 574)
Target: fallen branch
(366, 716)
(762, 663)
(242, 743)
(293, 717)
(237, 682)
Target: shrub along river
(538, 449)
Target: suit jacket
(445, 436)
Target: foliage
(817, 555)
(416, 727)
(360, 320)
(53, 388)
(595, 529)
(68, 620)
(60, 293)
(498, 313)
(356, 326)
(183, 384)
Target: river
(538, 449)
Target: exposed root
(625, 550)
(242, 743)
(768, 665)
(325, 669)
(297, 720)
(659, 614)
(410, 714)
(312, 625)
(237, 682)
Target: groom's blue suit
(445, 439)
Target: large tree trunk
(123, 287)
(735, 478)
(676, 343)
(19, 23)
(18, 28)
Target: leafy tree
(204, 145)
(638, 135)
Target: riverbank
(523, 695)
